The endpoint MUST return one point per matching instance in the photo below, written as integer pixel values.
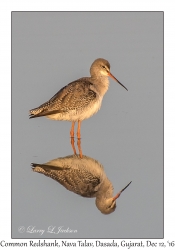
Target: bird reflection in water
(84, 176)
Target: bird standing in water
(80, 99)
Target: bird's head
(108, 205)
(101, 67)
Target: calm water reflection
(84, 176)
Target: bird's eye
(103, 66)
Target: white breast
(91, 109)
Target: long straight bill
(118, 195)
(117, 81)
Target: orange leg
(72, 130)
(73, 146)
(79, 138)
(72, 137)
(79, 147)
(78, 130)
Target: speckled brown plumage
(83, 176)
(80, 99)
(75, 96)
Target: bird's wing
(77, 180)
(76, 95)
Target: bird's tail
(38, 168)
(45, 167)
(35, 112)
(34, 165)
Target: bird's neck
(101, 84)
(105, 191)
